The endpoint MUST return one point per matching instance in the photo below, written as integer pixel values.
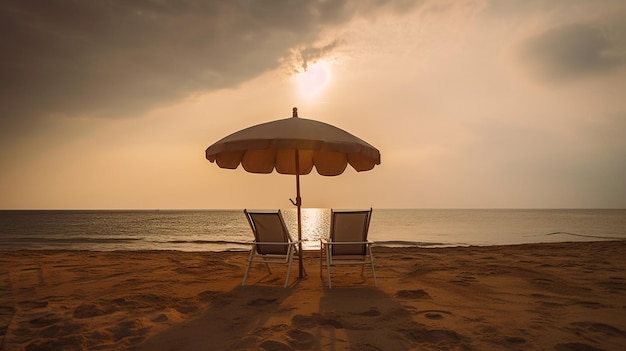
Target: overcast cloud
(573, 51)
(119, 58)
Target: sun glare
(314, 79)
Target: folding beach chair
(348, 244)
(272, 243)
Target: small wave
(205, 242)
(69, 240)
(586, 235)
(401, 243)
(208, 245)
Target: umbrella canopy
(294, 146)
(272, 145)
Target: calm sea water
(229, 230)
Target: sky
(472, 103)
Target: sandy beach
(561, 296)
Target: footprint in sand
(301, 339)
(92, 310)
(550, 304)
(186, 309)
(161, 318)
(316, 319)
(434, 314)
(133, 329)
(33, 304)
(590, 304)
(261, 302)
(44, 321)
(543, 282)
(412, 294)
(208, 295)
(614, 284)
(464, 279)
(598, 328)
(372, 312)
(515, 340)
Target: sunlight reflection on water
(315, 225)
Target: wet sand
(558, 296)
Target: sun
(314, 79)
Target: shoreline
(553, 296)
(313, 246)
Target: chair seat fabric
(348, 243)
(272, 242)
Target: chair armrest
(348, 242)
(273, 243)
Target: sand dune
(564, 296)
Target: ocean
(228, 230)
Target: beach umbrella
(294, 146)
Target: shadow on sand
(272, 318)
(228, 323)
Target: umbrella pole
(299, 205)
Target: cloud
(310, 55)
(119, 58)
(572, 51)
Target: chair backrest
(269, 227)
(349, 226)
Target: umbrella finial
(295, 112)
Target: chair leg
(245, 276)
(373, 271)
(328, 263)
(321, 257)
(289, 267)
